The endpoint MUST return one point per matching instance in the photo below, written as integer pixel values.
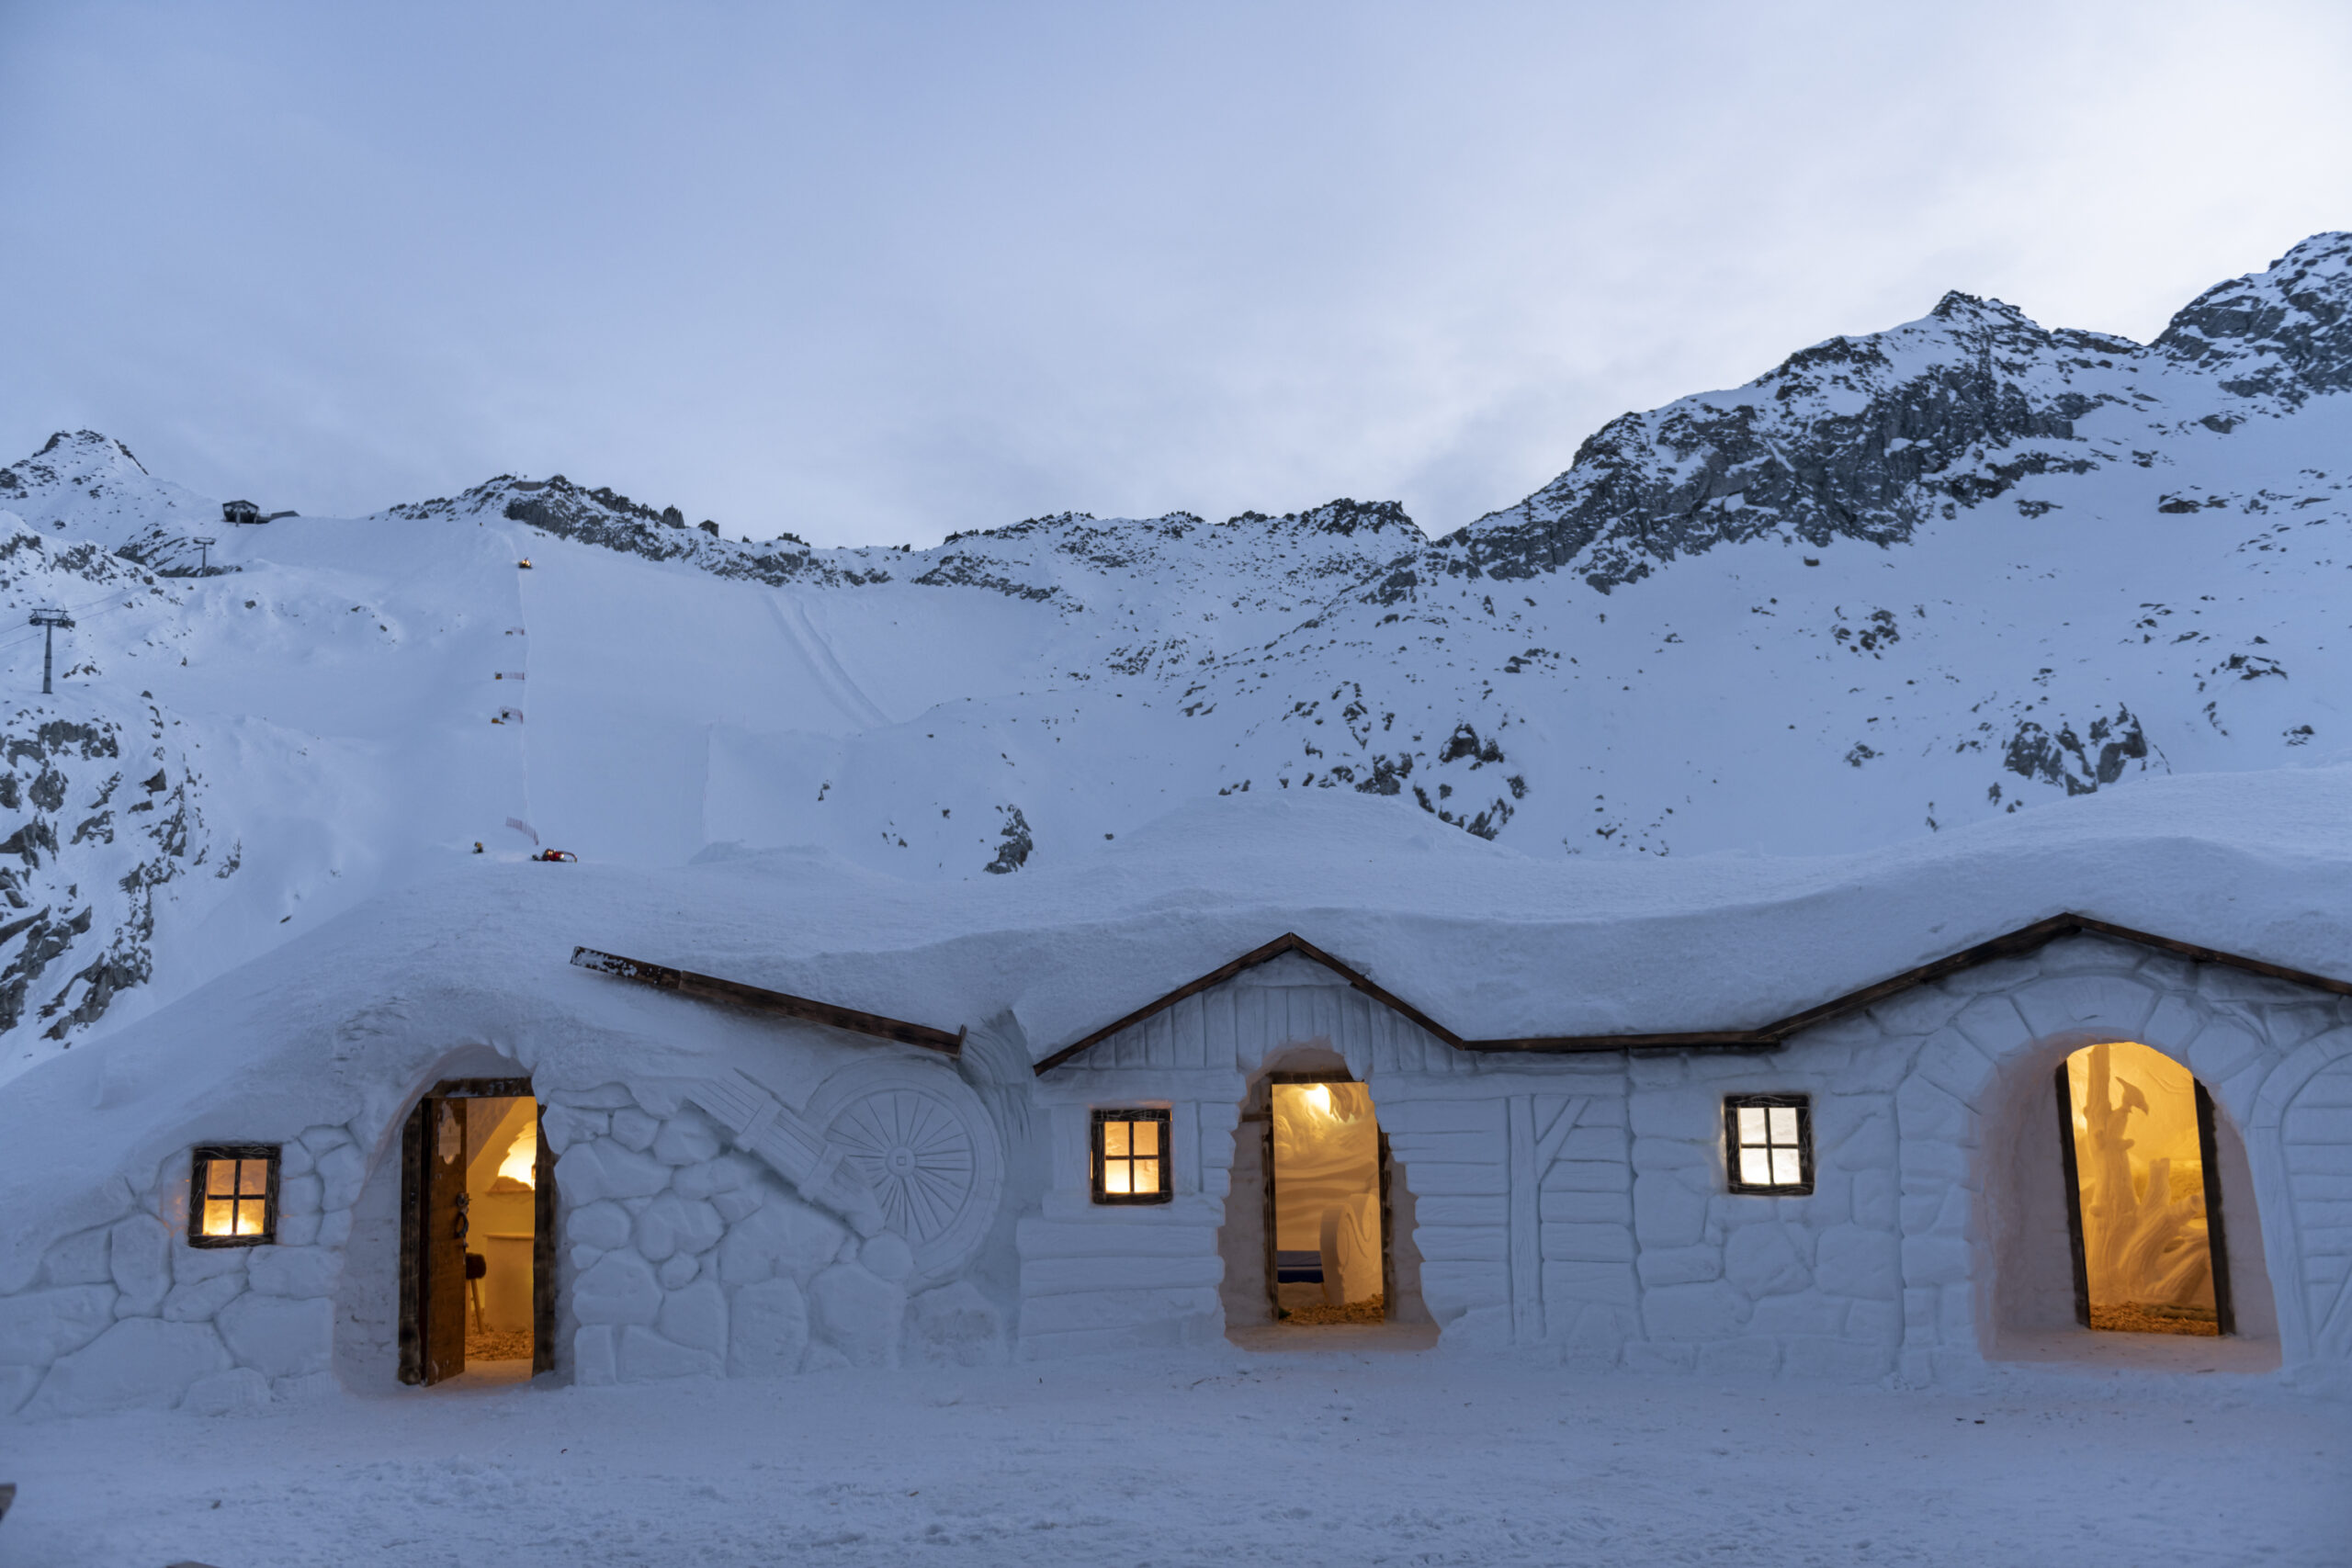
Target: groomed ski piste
(1989, 626)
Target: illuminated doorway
(2144, 1193)
(1327, 1219)
(477, 1227)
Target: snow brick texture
(1575, 1206)
(683, 1260)
(125, 1314)
(1570, 1208)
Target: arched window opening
(2144, 1190)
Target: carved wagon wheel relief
(923, 1144)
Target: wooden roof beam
(711, 989)
(1767, 1037)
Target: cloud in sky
(873, 271)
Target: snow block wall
(830, 1204)
(1578, 1206)
(685, 1257)
(127, 1313)
(851, 1225)
(1105, 1278)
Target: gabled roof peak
(1766, 1037)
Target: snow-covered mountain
(1901, 582)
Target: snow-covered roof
(2008, 944)
(345, 1023)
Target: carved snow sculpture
(2145, 1250)
(766, 1126)
(922, 1143)
(1327, 1183)
(891, 1147)
(1350, 1250)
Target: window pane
(252, 1177)
(220, 1177)
(1751, 1125)
(249, 1216)
(219, 1218)
(1147, 1176)
(1115, 1176)
(1784, 1168)
(1756, 1167)
(1784, 1125)
(1114, 1139)
(1146, 1137)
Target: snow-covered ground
(1225, 1456)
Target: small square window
(1131, 1157)
(1768, 1143)
(232, 1195)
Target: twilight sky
(875, 272)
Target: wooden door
(2074, 1198)
(543, 1221)
(2225, 1309)
(1388, 1230)
(443, 1256)
(2216, 1242)
(434, 1223)
(1273, 1271)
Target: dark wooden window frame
(2225, 1319)
(545, 1212)
(200, 1161)
(1094, 1155)
(1803, 1105)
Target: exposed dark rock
(978, 571)
(1013, 850)
(73, 759)
(612, 520)
(2284, 333)
(1856, 438)
(2078, 765)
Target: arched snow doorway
(2178, 1267)
(1327, 1181)
(1318, 1218)
(476, 1234)
(2150, 1249)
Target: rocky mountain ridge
(1900, 582)
(1865, 439)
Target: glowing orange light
(522, 1160)
(236, 1197)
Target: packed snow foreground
(977, 974)
(1204, 1457)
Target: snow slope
(1901, 583)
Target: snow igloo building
(2074, 1088)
